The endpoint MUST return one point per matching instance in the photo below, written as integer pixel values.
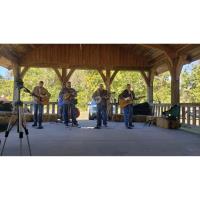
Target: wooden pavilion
(108, 59)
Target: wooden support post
(175, 87)
(175, 68)
(16, 73)
(150, 88)
(107, 83)
(149, 77)
(15, 84)
(108, 79)
(64, 74)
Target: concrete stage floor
(57, 140)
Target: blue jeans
(66, 109)
(38, 112)
(101, 114)
(60, 111)
(128, 115)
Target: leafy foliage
(190, 85)
(87, 81)
(162, 88)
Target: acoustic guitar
(41, 100)
(124, 102)
(68, 96)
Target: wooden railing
(51, 108)
(157, 109)
(189, 112)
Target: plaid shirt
(40, 91)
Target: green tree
(190, 85)
(162, 88)
(87, 81)
(6, 88)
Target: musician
(128, 94)
(38, 106)
(101, 106)
(69, 94)
(61, 102)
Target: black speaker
(3, 127)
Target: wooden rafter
(169, 52)
(69, 74)
(64, 73)
(113, 76)
(23, 72)
(161, 47)
(64, 76)
(102, 75)
(58, 74)
(146, 78)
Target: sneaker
(105, 125)
(97, 127)
(131, 125)
(40, 127)
(128, 127)
(34, 125)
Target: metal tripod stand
(18, 118)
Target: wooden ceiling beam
(132, 57)
(89, 67)
(161, 47)
(184, 48)
(157, 59)
(9, 57)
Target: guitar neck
(35, 95)
(31, 93)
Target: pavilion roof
(96, 56)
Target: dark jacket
(68, 90)
(126, 94)
(101, 93)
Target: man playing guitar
(101, 97)
(128, 96)
(38, 93)
(68, 95)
